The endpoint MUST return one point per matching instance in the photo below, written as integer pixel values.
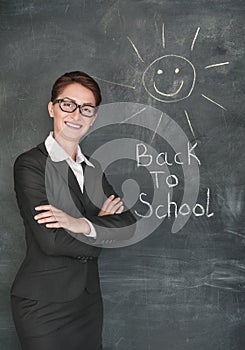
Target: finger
(53, 211)
(43, 215)
(115, 204)
(102, 213)
(49, 219)
(107, 202)
(54, 225)
(120, 210)
(47, 207)
(43, 207)
(115, 207)
(111, 205)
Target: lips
(73, 125)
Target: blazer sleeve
(29, 183)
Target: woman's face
(72, 126)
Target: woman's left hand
(55, 218)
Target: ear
(51, 109)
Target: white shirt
(58, 154)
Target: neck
(69, 145)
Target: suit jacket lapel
(80, 199)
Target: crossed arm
(53, 217)
(51, 235)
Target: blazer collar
(57, 153)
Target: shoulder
(34, 156)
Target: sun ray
(195, 38)
(159, 121)
(112, 82)
(217, 104)
(217, 65)
(135, 49)
(189, 122)
(163, 36)
(140, 111)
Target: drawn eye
(159, 71)
(177, 70)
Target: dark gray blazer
(54, 268)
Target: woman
(56, 298)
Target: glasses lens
(87, 111)
(68, 106)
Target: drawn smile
(170, 94)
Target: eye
(176, 70)
(67, 104)
(88, 110)
(159, 71)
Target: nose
(76, 115)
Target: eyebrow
(83, 104)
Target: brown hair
(76, 77)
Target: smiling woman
(73, 112)
(56, 295)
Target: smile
(73, 125)
(171, 94)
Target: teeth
(73, 125)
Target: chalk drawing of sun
(171, 78)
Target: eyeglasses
(69, 106)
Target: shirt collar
(58, 154)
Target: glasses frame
(60, 100)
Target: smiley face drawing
(169, 78)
